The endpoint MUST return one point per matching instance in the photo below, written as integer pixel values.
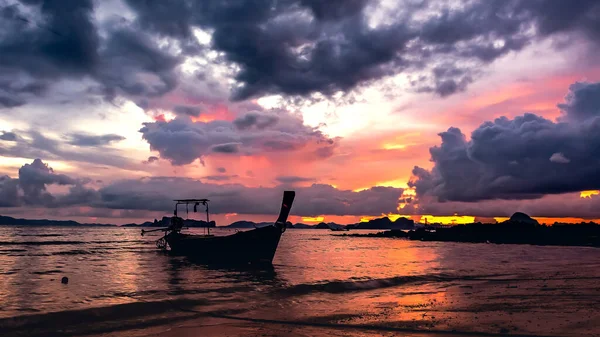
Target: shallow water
(318, 279)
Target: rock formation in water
(386, 223)
(519, 217)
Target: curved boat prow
(286, 206)
(256, 246)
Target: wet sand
(491, 306)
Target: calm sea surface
(318, 279)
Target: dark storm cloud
(582, 102)
(334, 9)
(150, 194)
(170, 18)
(155, 194)
(14, 90)
(187, 110)
(521, 158)
(293, 179)
(33, 179)
(82, 139)
(8, 136)
(446, 80)
(128, 54)
(182, 141)
(64, 43)
(30, 188)
(33, 144)
(9, 192)
(226, 148)
(257, 119)
(151, 160)
(281, 48)
(61, 43)
(290, 47)
(9, 101)
(560, 16)
(219, 177)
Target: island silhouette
(520, 228)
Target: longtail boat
(256, 246)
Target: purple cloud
(521, 158)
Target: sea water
(119, 280)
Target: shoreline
(539, 235)
(186, 320)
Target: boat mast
(196, 203)
(207, 219)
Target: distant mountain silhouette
(323, 225)
(386, 223)
(519, 217)
(519, 229)
(165, 221)
(251, 224)
(248, 224)
(9, 221)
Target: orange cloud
(536, 95)
(217, 112)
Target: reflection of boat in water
(254, 246)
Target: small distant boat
(339, 229)
(256, 246)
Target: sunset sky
(468, 109)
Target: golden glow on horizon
(313, 219)
(448, 220)
(397, 183)
(407, 193)
(589, 194)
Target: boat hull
(257, 246)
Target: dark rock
(523, 218)
(9, 221)
(64, 280)
(322, 225)
(386, 223)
